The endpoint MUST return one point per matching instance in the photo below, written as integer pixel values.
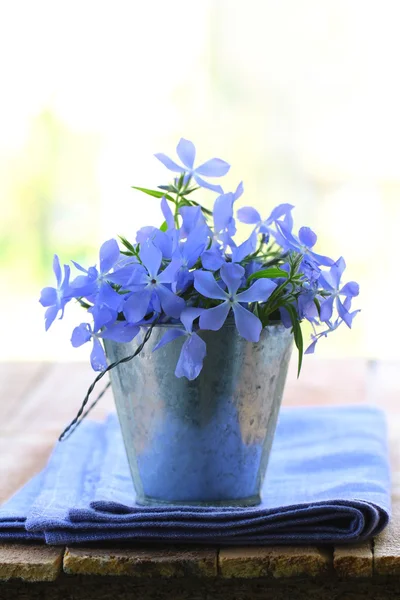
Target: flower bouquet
(207, 324)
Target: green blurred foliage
(49, 201)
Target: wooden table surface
(39, 399)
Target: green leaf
(164, 226)
(187, 192)
(127, 245)
(297, 333)
(269, 273)
(169, 188)
(256, 311)
(154, 193)
(295, 261)
(184, 202)
(318, 305)
(83, 304)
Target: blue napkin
(328, 481)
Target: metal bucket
(205, 441)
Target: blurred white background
(302, 98)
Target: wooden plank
(387, 547)
(16, 381)
(38, 401)
(353, 561)
(275, 562)
(30, 562)
(23, 453)
(54, 401)
(142, 562)
(29, 433)
(52, 396)
(16, 378)
(387, 544)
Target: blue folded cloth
(328, 481)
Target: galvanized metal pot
(205, 441)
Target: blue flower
(215, 167)
(248, 325)
(331, 282)
(95, 283)
(333, 325)
(317, 336)
(191, 217)
(166, 241)
(239, 253)
(310, 270)
(170, 271)
(193, 350)
(168, 215)
(252, 267)
(306, 305)
(248, 247)
(82, 334)
(302, 244)
(120, 331)
(305, 308)
(159, 238)
(224, 222)
(188, 253)
(224, 229)
(56, 298)
(150, 285)
(102, 315)
(213, 259)
(251, 216)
